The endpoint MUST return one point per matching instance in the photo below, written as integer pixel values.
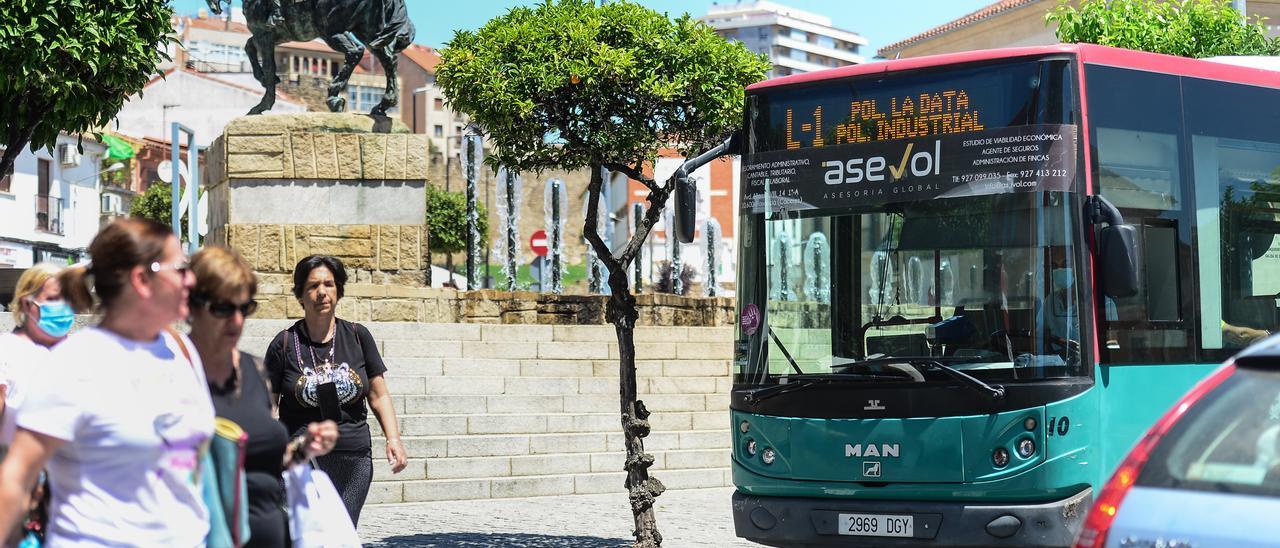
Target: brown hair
(30, 283)
(221, 273)
(118, 247)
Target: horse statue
(347, 26)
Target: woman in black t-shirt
(328, 368)
(221, 301)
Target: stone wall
(383, 302)
(352, 186)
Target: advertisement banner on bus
(1034, 158)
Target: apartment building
(796, 41)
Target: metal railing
(49, 214)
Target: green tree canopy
(447, 220)
(569, 82)
(69, 65)
(1190, 28)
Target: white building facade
(796, 41)
(49, 205)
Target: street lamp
(111, 168)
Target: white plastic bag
(317, 517)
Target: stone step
(546, 386)
(547, 423)
(514, 445)
(501, 367)
(535, 486)
(502, 404)
(544, 465)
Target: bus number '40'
(1056, 425)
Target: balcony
(49, 214)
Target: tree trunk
(642, 490)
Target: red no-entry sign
(538, 243)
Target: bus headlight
(1029, 424)
(751, 447)
(744, 427)
(768, 455)
(1000, 457)
(1026, 448)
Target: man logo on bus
(856, 170)
(871, 450)
(870, 469)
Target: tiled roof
(424, 56)
(984, 13)
(213, 23)
(313, 45)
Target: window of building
(438, 131)
(800, 35)
(827, 42)
(48, 208)
(439, 103)
(797, 55)
(6, 178)
(764, 33)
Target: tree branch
(634, 174)
(591, 225)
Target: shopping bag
(317, 516)
(224, 487)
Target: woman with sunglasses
(324, 366)
(120, 426)
(220, 303)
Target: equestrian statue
(346, 26)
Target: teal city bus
(968, 283)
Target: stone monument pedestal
(282, 187)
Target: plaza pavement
(689, 517)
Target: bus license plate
(876, 525)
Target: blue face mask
(1063, 278)
(56, 318)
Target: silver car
(1208, 473)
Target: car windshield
(1228, 442)
(983, 284)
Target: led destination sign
(995, 161)
(927, 114)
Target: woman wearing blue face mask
(42, 320)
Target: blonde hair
(30, 284)
(222, 273)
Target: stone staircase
(497, 411)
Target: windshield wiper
(812, 379)
(786, 354)
(924, 363)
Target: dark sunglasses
(223, 309)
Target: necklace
(315, 362)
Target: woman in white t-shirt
(42, 320)
(119, 421)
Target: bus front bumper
(798, 522)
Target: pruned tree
(570, 84)
(69, 65)
(1189, 28)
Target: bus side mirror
(1118, 251)
(686, 209)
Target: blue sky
(881, 21)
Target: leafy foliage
(568, 83)
(1190, 28)
(69, 65)
(447, 220)
(155, 204)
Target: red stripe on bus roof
(1088, 53)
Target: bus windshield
(895, 243)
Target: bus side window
(1136, 130)
(1235, 153)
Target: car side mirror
(1118, 253)
(686, 209)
